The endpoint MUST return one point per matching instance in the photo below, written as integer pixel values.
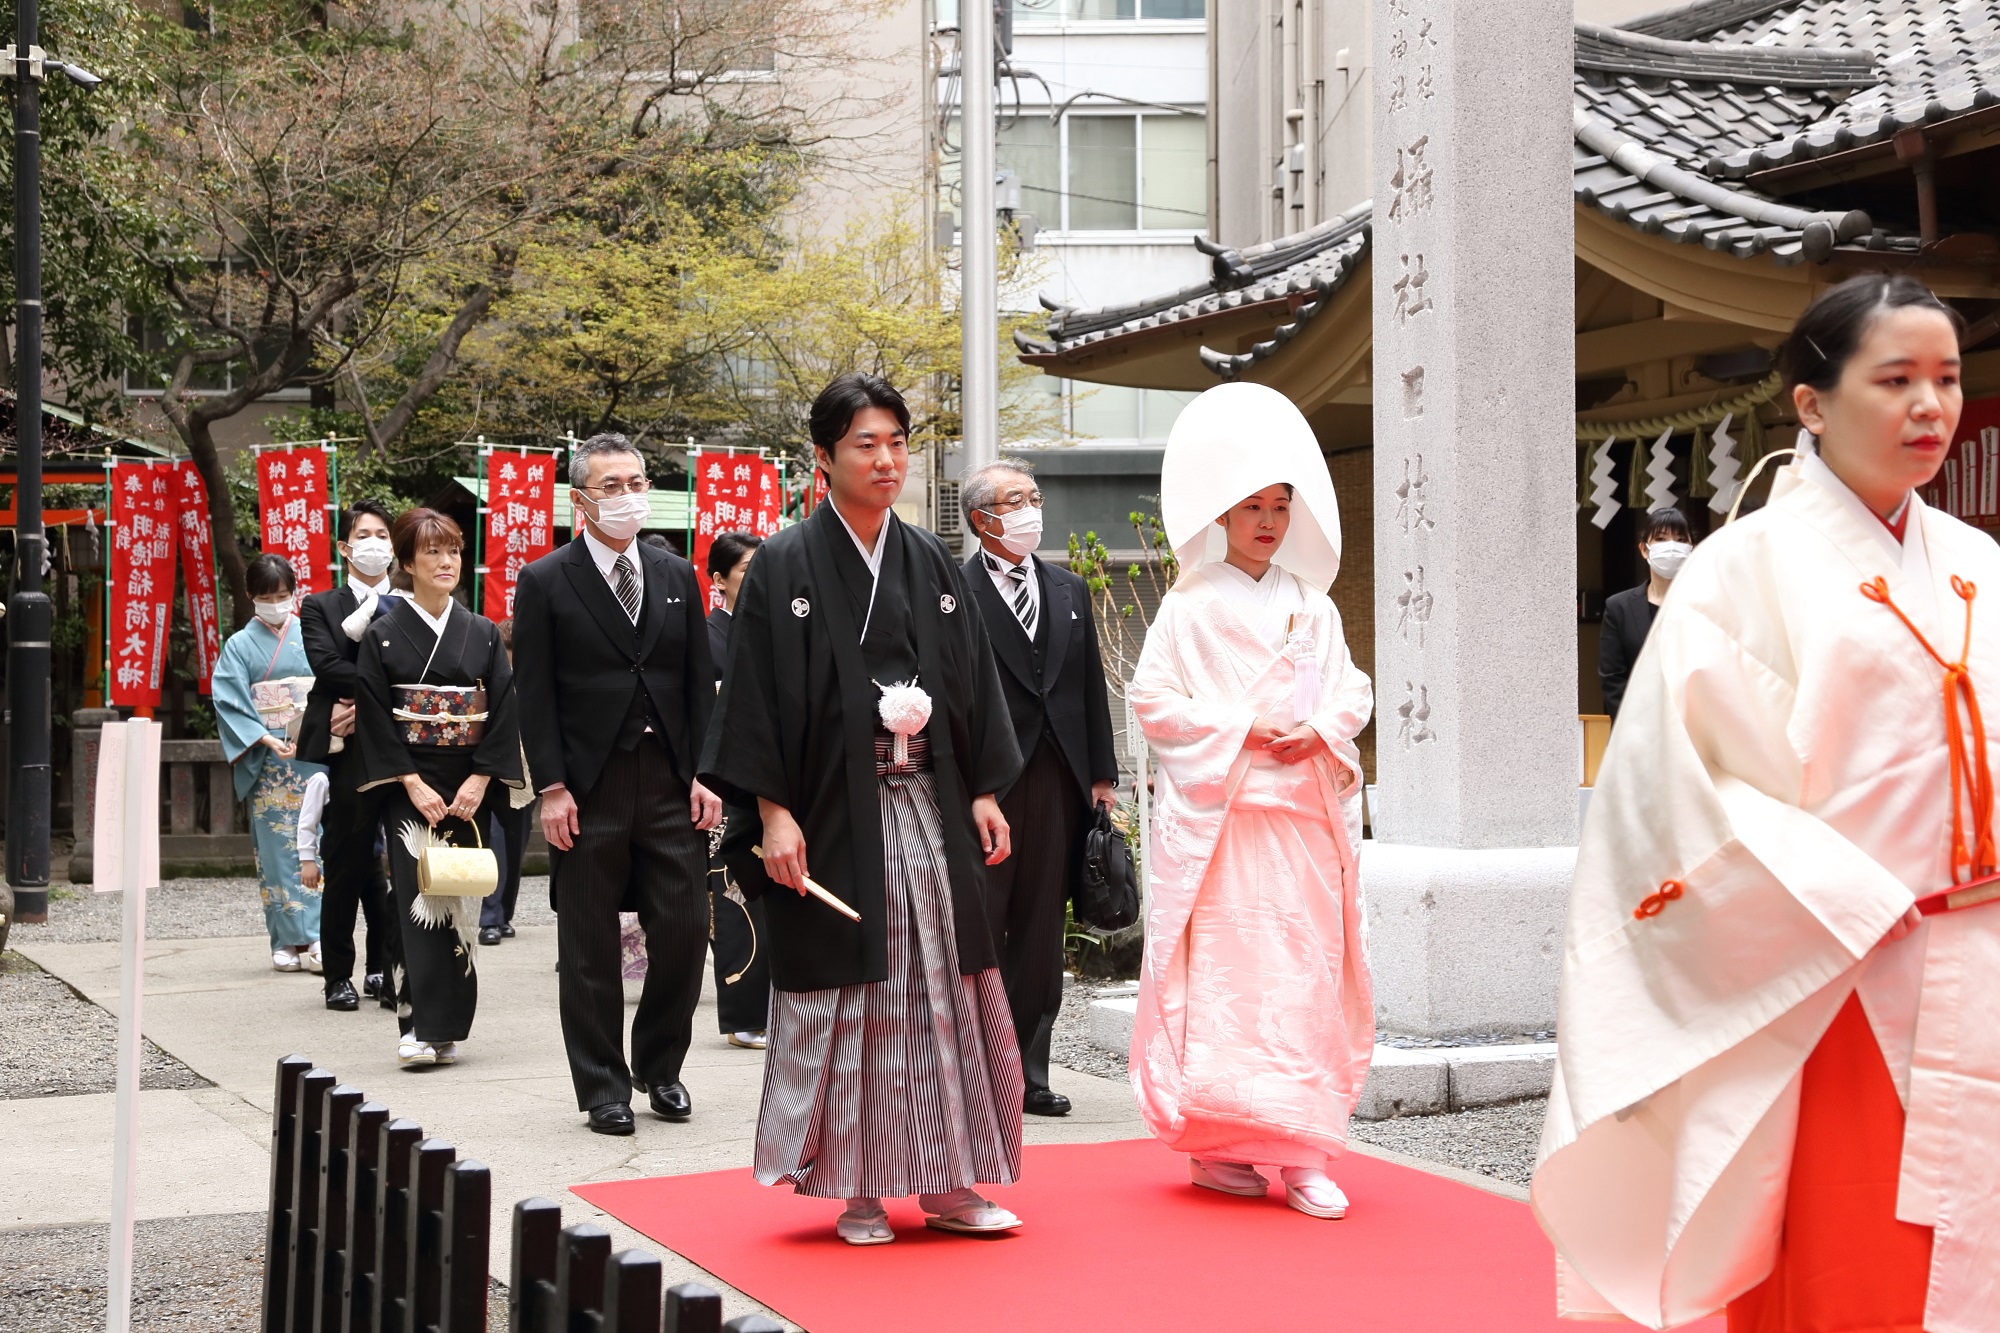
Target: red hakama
(1845, 1264)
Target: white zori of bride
(1256, 1016)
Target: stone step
(1424, 1081)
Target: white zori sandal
(1228, 1177)
(1312, 1193)
(964, 1212)
(865, 1222)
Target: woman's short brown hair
(421, 527)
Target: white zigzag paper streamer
(1660, 473)
(1722, 466)
(1603, 490)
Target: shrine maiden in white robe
(1781, 760)
(1255, 1015)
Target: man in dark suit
(1045, 638)
(1665, 539)
(330, 625)
(611, 667)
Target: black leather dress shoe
(340, 995)
(507, 931)
(670, 1101)
(611, 1118)
(489, 934)
(1043, 1101)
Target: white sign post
(128, 861)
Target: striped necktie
(627, 585)
(1023, 600)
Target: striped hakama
(909, 1085)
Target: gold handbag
(445, 871)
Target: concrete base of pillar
(1465, 943)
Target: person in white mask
(1665, 541)
(1039, 620)
(331, 625)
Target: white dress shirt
(606, 560)
(312, 806)
(1001, 573)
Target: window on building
(1119, 171)
(1114, 414)
(220, 378)
(1099, 11)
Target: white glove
(356, 623)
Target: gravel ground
(189, 1275)
(1069, 1045)
(1497, 1141)
(202, 909)
(59, 1044)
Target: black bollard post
(580, 1274)
(333, 1230)
(364, 1141)
(393, 1219)
(301, 1280)
(278, 1225)
(631, 1293)
(693, 1308)
(467, 1226)
(531, 1285)
(423, 1276)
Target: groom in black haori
(861, 716)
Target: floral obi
(450, 715)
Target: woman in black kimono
(435, 716)
(736, 923)
(861, 716)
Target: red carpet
(1115, 1240)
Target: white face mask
(1020, 531)
(370, 556)
(620, 517)
(273, 614)
(1666, 558)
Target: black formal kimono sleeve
(989, 756)
(384, 757)
(698, 669)
(743, 757)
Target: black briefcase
(1108, 896)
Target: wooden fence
(375, 1228)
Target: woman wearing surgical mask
(1665, 541)
(260, 688)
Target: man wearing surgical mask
(330, 626)
(1039, 620)
(612, 670)
(1665, 540)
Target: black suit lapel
(598, 598)
(1003, 627)
(1056, 613)
(655, 610)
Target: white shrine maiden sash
(1777, 793)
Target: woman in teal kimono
(260, 689)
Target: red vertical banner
(142, 580)
(197, 568)
(710, 494)
(770, 499)
(520, 522)
(292, 499)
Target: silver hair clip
(1815, 346)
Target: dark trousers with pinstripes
(1025, 896)
(635, 831)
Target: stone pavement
(216, 1005)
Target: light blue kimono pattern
(274, 788)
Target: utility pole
(30, 615)
(978, 266)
